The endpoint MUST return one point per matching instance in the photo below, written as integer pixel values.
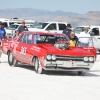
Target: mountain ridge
(89, 18)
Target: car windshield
(39, 25)
(51, 39)
(78, 30)
(13, 27)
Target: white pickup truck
(94, 31)
(51, 26)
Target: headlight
(91, 59)
(49, 57)
(86, 58)
(53, 57)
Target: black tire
(81, 73)
(38, 68)
(10, 58)
(15, 63)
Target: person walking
(73, 39)
(21, 28)
(2, 35)
(84, 38)
(67, 30)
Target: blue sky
(77, 6)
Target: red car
(48, 51)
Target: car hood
(35, 29)
(8, 30)
(73, 51)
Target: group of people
(82, 40)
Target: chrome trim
(67, 65)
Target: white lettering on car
(35, 48)
(23, 50)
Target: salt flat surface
(22, 83)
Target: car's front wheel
(15, 63)
(10, 58)
(38, 68)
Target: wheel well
(34, 57)
(8, 52)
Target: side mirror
(92, 33)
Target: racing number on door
(23, 50)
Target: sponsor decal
(35, 48)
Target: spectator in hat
(67, 30)
(2, 36)
(21, 28)
(84, 38)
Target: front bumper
(67, 65)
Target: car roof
(52, 22)
(48, 33)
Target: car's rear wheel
(81, 73)
(10, 58)
(38, 68)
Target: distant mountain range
(90, 18)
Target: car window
(25, 39)
(61, 26)
(95, 31)
(39, 25)
(78, 30)
(51, 39)
(29, 38)
(21, 38)
(13, 26)
(5, 24)
(52, 27)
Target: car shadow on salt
(25, 66)
(70, 73)
(59, 73)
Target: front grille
(69, 58)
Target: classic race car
(48, 51)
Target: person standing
(21, 28)
(67, 30)
(2, 35)
(84, 38)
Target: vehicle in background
(47, 51)
(94, 31)
(12, 29)
(7, 21)
(50, 26)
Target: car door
(96, 37)
(23, 49)
(28, 45)
(19, 50)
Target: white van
(94, 31)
